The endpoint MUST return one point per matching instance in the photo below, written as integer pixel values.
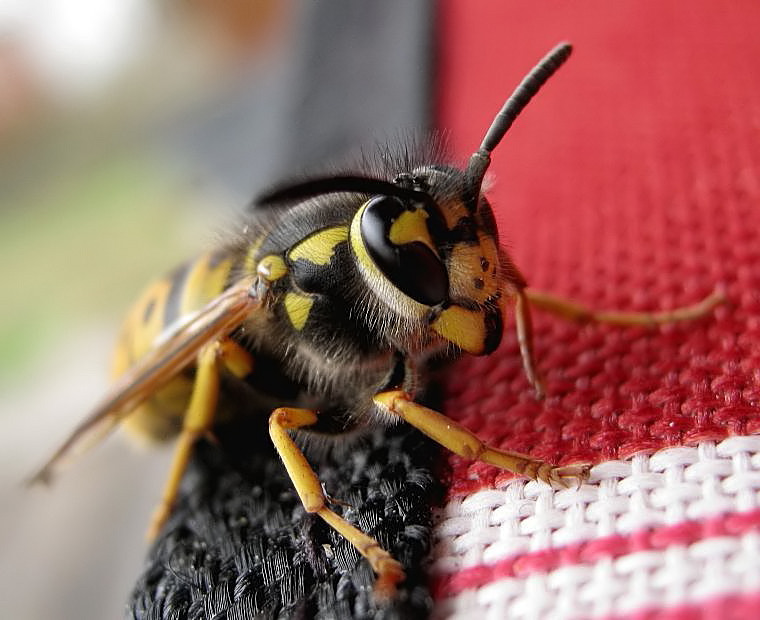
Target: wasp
(327, 307)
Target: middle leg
(389, 571)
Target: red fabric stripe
(588, 552)
(631, 181)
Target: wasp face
(435, 261)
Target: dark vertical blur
(354, 72)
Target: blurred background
(133, 133)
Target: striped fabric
(677, 529)
(633, 181)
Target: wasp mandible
(326, 307)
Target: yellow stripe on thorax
(319, 247)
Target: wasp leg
(199, 417)
(389, 571)
(465, 443)
(573, 311)
(524, 326)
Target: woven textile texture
(632, 181)
(678, 527)
(239, 544)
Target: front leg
(573, 311)
(463, 442)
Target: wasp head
(425, 242)
(433, 258)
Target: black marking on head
(494, 328)
(464, 231)
(466, 303)
(412, 267)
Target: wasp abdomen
(162, 305)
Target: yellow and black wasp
(327, 306)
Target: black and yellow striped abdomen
(164, 304)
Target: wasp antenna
(524, 92)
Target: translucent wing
(175, 351)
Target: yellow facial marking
(319, 247)
(298, 307)
(490, 253)
(272, 267)
(465, 328)
(357, 244)
(411, 226)
(474, 270)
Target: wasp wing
(176, 350)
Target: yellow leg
(524, 326)
(572, 311)
(389, 571)
(199, 417)
(465, 443)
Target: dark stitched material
(239, 544)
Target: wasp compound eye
(398, 241)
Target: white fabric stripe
(666, 488)
(697, 573)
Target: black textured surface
(239, 545)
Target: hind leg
(199, 418)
